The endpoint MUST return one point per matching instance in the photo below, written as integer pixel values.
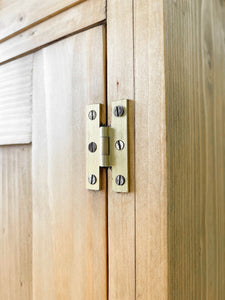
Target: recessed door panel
(69, 222)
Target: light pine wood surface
(195, 99)
(16, 102)
(69, 222)
(78, 18)
(121, 207)
(165, 239)
(15, 223)
(150, 152)
(17, 15)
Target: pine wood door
(53, 241)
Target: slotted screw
(92, 179)
(92, 147)
(118, 111)
(120, 180)
(92, 115)
(119, 145)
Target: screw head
(118, 111)
(92, 114)
(120, 180)
(92, 179)
(92, 147)
(119, 145)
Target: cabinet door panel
(69, 222)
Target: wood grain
(16, 102)
(15, 223)
(16, 15)
(150, 151)
(69, 222)
(121, 207)
(73, 20)
(195, 90)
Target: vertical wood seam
(135, 225)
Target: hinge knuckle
(104, 147)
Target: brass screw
(118, 111)
(120, 180)
(92, 179)
(92, 115)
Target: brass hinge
(107, 146)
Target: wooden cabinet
(165, 239)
